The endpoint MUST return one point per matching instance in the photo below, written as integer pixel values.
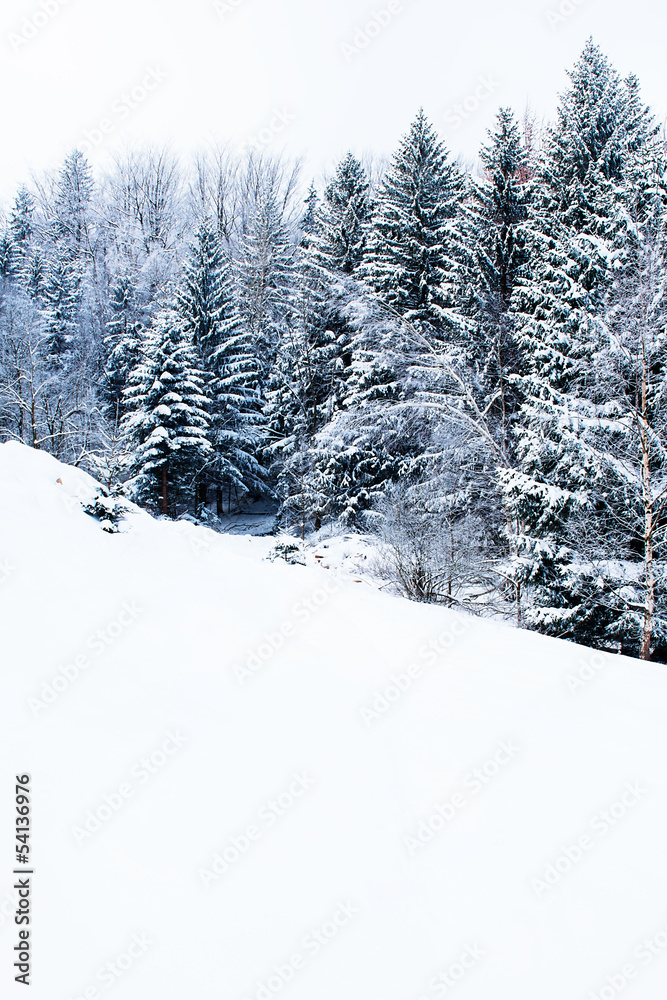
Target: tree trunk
(649, 564)
(218, 501)
(165, 509)
(649, 590)
(502, 390)
(201, 496)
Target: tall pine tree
(412, 254)
(167, 421)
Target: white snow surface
(155, 764)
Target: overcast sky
(312, 77)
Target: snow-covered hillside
(254, 780)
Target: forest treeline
(471, 363)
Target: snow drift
(254, 780)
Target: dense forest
(470, 363)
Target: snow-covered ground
(253, 780)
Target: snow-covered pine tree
(122, 341)
(309, 222)
(264, 267)
(71, 224)
(412, 252)
(578, 227)
(575, 222)
(624, 428)
(304, 386)
(410, 259)
(20, 233)
(203, 291)
(206, 304)
(367, 442)
(5, 254)
(497, 257)
(167, 422)
(34, 278)
(344, 218)
(61, 298)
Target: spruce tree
(121, 342)
(20, 233)
(167, 422)
(498, 257)
(579, 226)
(344, 218)
(71, 224)
(302, 387)
(61, 298)
(206, 305)
(412, 252)
(264, 268)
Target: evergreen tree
(344, 219)
(498, 257)
(579, 227)
(309, 222)
(301, 393)
(20, 232)
(21, 221)
(34, 277)
(413, 243)
(206, 304)
(6, 255)
(167, 421)
(264, 269)
(122, 342)
(73, 196)
(61, 297)
(203, 291)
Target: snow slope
(201, 829)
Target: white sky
(229, 72)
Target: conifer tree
(167, 421)
(206, 305)
(122, 342)
(264, 267)
(74, 191)
(579, 226)
(412, 249)
(20, 232)
(344, 218)
(61, 297)
(496, 223)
